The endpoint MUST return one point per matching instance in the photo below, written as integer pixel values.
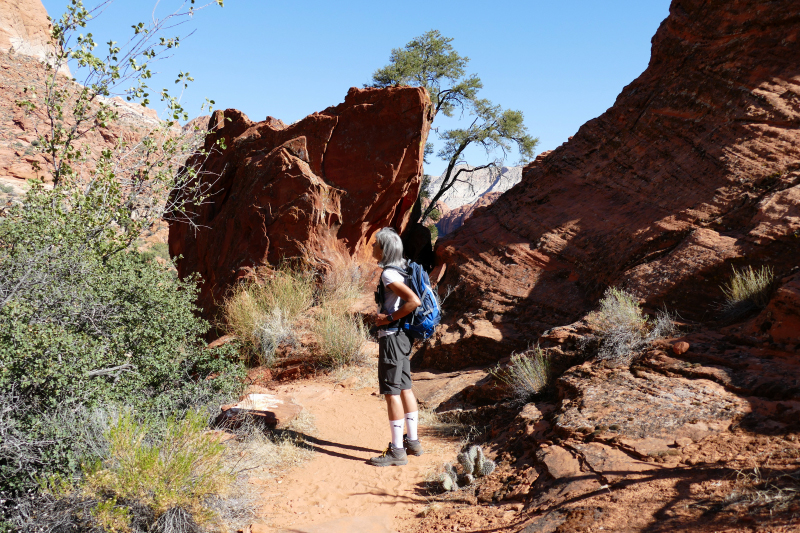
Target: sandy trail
(338, 490)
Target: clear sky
(560, 63)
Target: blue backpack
(423, 321)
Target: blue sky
(561, 63)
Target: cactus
(465, 479)
(483, 466)
(467, 462)
(449, 478)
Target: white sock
(411, 424)
(397, 432)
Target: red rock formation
(695, 167)
(25, 28)
(455, 218)
(343, 173)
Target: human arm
(407, 295)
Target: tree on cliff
(429, 61)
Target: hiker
(394, 367)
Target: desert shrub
(263, 313)
(624, 329)
(177, 470)
(747, 289)
(152, 476)
(341, 337)
(84, 324)
(527, 374)
(7, 189)
(341, 276)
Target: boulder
(279, 191)
(692, 170)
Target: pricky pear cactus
(473, 465)
(467, 459)
(449, 478)
(483, 466)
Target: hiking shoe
(390, 457)
(413, 447)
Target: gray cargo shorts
(394, 367)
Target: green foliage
(430, 61)
(180, 468)
(86, 322)
(434, 232)
(747, 289)
(80, 323)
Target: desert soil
(337, 490)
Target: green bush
(84, 324)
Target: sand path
(338, 490)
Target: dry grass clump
(747, 289)
(528, 373)
(770, 490)
(623, 328)
(263, 313)
(458, 424)
(341, 337)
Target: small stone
(683, 441)
(680, 347)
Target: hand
(380, 319)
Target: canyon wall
(693, 170)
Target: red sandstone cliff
(342, 173)
(25, 28)
(693, 169)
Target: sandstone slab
(435, 388)
(611, 463)
(559, 462)
(274, 411)
(644, 406)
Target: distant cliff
(25, 28)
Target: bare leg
(409, 401)
(395, 406)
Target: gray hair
(391, 248)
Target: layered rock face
(694, 169)
(25, 28)
(281, 191)
(455, 218)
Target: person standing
(394, 367)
